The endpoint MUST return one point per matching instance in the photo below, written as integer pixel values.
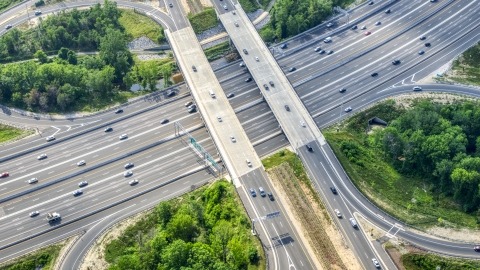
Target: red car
(476, 248)
(4, 174)
(367, 33)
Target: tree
(201, 257)
(166, 71)
(63, 53)
(41, 56)
(182, 227)
(221, 234)
(175, 255)
(114, 52)
(128, 262)
(101, 81)
(164, 213)
(236, 255)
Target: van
(327, 40)
(212, 94)
(353, 222)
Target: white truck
(52, 217)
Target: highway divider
(92, 129)
(376, 46)
(102, 209)
(336, 31)
(136, 151)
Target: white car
(33, 180)
(225, 7)
(232, 138)
(349, 109)
(42, 156)
(34, 213)
(38, 12)
(375, 262)
(303, 124)
(329, 24)
(82, 184)
(133, 182)
(338, 213)
(8, 27)
(123, 136)
(50, 138)
(77, 192)
(128, 173)
(81, 163)
(256, 58)
(219, 119)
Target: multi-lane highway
(448, 30)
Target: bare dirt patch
(94, 258)
(324, 240)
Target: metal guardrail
(376, 46)
(336, 31)
(136, 151)
(92, 129)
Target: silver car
(42, 156)
(77, 192)
(123, 136)
(82, 184)
(33, 180)
(81, 163)
(34, 213)
(128, 173)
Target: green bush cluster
(429, 261)
(289, 17)
(249, 5)
(217, 51)
(205, 232)
(203, 20)
(41, 259)
(467, 67)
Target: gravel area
(211, 32)
(253, 15)
(141, 43)
(215, 42)
(145, 57)
(263, 22)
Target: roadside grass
(217, 51)
(41, 259)
(138, 25)
(203, 20)
(8, 133)
(4, 4)
(407, 198)
(412, 261)
(466, 68)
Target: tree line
(205, 232)
(438, 142)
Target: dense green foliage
(289, 17)
(466, 68)
(429, 261)
(249, 5)
(426, 160)
(7, 133)
(4, 4)
(217, 51)
(41, 259)
(137, 25)
(203, 20)
(203, 230)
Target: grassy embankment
(466, 69)
(41, 259)
(378, 180)
(8, 133)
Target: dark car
(371, 3)
(309, 147)
(292, 69)
(318, 49)
(284, 46)
(423, 38)
(249, 79)
(170, 5)
(374, 74)
(230, 95)
(387, 11)
(164, 121)
(421, 52)
(396, 62)
(119, 111)
(354, 27)
(270, 195)
(271, 83)
(242, 64)
(334, 190)
(287, 108)
(330, 52)
(427, 44)
(194, 68)
(342, 90)
(128, 165)
(170, 94)
(108, 129)
(252, 191)
(476, 248)
(265, 86)
(245, 51)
